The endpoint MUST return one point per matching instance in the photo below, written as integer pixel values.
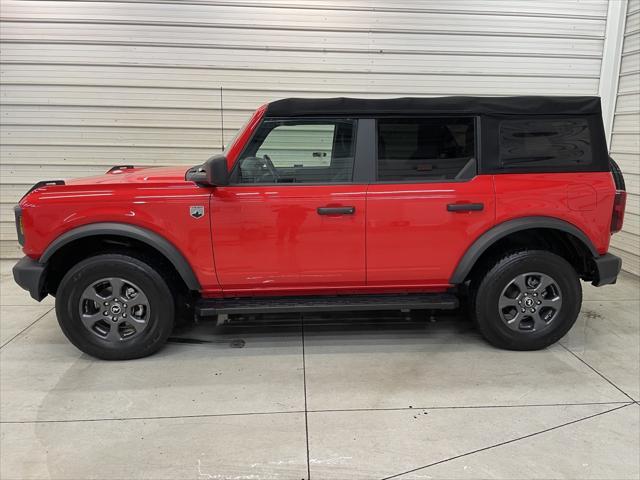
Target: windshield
(196, 172)
(237, 134)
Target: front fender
(166, 248)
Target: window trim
(477, 151)
(356, 162)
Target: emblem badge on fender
(197, 211)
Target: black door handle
(336, 210)
(465, 207)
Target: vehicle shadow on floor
(379, 328)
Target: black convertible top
(529, 105)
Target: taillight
(617, 217)
(19, 224)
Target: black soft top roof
(529, 105)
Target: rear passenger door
(427, 204)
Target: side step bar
(339, 303)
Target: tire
(135, 313)
(549, 312)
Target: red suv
(334, 205)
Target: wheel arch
(512, 227)
(141, 235)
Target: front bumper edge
(30, 275)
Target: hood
(171, 175)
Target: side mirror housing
(216, 169)
(212, 173)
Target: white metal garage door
(625, 141)
(87, 85)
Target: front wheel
(115, 307)
(528, 300)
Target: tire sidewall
(487, 312)
(88, 271)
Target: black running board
(337, 303)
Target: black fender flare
(501, 230)
(143, 235)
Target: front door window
(299, 151)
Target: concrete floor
(340, 399)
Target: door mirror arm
(212, 173)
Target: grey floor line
(513, 440)
(167, 417)
(284, 412)
(598, 373)
(465, 407)
(613, 300)
(30, 304)
(26, 328)
(306, 410)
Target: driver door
(292, 217)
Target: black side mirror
(212, 173)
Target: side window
(426, 149)
(545, 142)
(299, 151)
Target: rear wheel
(115, 307)
(527, 300)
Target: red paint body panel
(550, 194)
(411, 237)
(157, 199)
(269, 238)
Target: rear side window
(299, 151)
(547, 142)
(425, 149)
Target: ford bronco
(340, 204)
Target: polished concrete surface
(333, 397)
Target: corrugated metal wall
(625, 141)
(87, 85)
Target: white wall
(625, 141)
(86, 85)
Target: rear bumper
(30, 275)
(607, 269)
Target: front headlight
(19, 226)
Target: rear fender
(475, 251)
